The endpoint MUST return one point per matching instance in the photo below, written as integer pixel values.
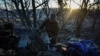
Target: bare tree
(22, 11)
(34, 12)
(60, 13)
(81, 16)
(6, 9)
(96, 13)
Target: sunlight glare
(73, 5)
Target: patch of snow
(70, 27)
(44, 36)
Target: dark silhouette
(7, 39)
(52, 28)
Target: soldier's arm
(43, 24)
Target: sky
(1, 4)
(53, 3)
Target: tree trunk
(6, 10)
(94, 24)
(61, 14)
(80, 19)
(19, 11)
(95, 18)
(34, 12)
(24, 15)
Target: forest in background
(32, 17)
(83, 22)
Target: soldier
(52, 28)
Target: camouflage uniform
(52, 29)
